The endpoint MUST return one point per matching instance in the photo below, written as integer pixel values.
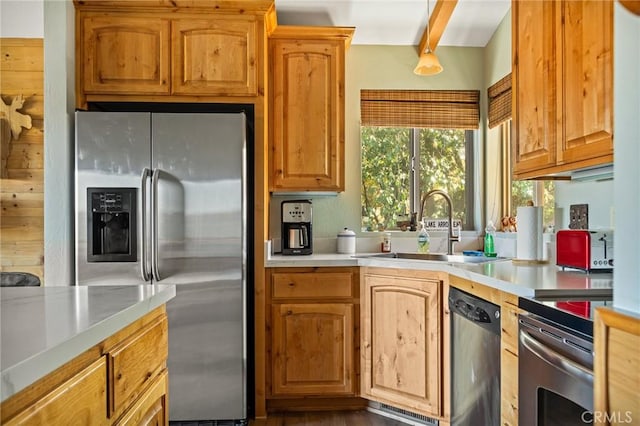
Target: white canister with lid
(346, 241)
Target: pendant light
(428, 63)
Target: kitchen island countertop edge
(42, 328)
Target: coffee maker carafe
(296, 227)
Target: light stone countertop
(542, 281)
(42, 328)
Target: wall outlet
(579, 216)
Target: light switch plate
(579, 216)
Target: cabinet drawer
(329, 285)
(135, 362)
(81, 400)
(151, 408)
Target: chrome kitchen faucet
(450, 238)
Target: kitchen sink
(437, 257)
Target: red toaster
(585, 249)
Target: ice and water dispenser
(111, 225)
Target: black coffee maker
(296, 227)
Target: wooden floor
(332, 418)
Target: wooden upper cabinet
(125, 55)
(171, 50)
(562, 86)
(215, 56)
(307, 67)
(534, 84)
(587, 80)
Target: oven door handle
(554, 358)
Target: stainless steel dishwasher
(475, 360)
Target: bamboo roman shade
(500, 101)
(436, 109)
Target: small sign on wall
(441, 224)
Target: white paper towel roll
(529, 241)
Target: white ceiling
(397, 22)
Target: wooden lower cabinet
(509, 364)
(121, 380)
(404, 359)
(312, 337)
(616, 370)
(313, 348)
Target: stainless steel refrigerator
(162, 198)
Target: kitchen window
(413, 142)
(519, 192)
(515, 193)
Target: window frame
(507, 176)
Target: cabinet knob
(289, 312)
(292, 284)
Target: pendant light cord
(428, 28)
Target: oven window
(556, 410)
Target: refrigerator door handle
(144, 256)
(154, 224)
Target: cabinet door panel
(401, 342)
(125, 55)
(535, 84)
(313, 350)
(215, 57)
(308, 109)
(587, 80)
(81, 400)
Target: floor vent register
(400, 414)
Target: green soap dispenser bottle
(489, 237)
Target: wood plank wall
(22, 192)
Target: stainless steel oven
(555, 364)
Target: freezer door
(112, 149)
(199, 220)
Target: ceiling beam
(437, 23)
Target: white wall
(22, 18)
(59, 106)
(598, 195)
(26, 19)
(626, 245)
